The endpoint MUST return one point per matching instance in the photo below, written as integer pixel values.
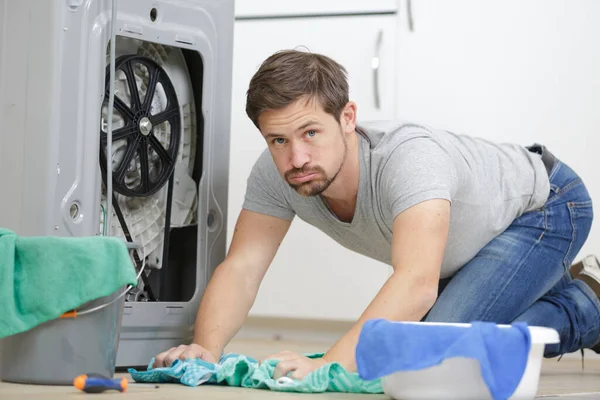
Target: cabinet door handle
(409, 16)
(375, 67)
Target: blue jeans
(523, 274)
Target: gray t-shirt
(402, 164)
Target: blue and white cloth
(386, 347)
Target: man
(473, 230)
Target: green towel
(243, 371)
(43, 277)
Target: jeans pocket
(581, 208)
(581, 214)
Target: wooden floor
(563, 379)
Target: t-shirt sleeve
(265, 190)
(416, 171)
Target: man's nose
(300, 155)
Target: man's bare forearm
(224, 307)
(401, 298)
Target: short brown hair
(288, 75)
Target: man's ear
(348, 118)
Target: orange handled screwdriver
(96, 383)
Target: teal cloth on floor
(43, 277)
(242, 371)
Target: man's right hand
(232, 289)
(183, 352)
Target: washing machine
(116, 121)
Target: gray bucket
(57, 351)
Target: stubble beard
(317, 185)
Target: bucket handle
(75, 313)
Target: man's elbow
(425, 293)
(429, 297)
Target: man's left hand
(300, 365)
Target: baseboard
(319, 331)
(293, 329)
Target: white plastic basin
(460, 378)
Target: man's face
(307, 144)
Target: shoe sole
(586, 270)
(589, 266)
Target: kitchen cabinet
(508, 71)
(312, 276)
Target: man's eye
(311, 133)
(279, 140)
